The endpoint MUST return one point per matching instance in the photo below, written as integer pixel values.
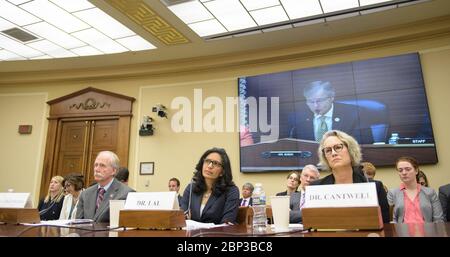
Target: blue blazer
(220, 208)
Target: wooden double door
(81, 125)
(81, 141)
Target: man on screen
(322, 114)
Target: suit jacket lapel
(210, 203)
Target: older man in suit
(444, 198)
(309, 174)
(94, 201)
(321, 114)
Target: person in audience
(444, 198)
(212, 196)
(413, 203)
(292, 183)
(174, 185)
(50, 207)
(370, 171)
(422, 179)
(247, 191)
(73, 184)
(340, 153)
(122, 175)
(309, 174)
(93, 202)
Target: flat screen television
(380, 102)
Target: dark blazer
(283, 193)
(295, 214)
(50, 210)
(345, 118)
(88, 200)
(220, 208)
(179, 200)
(358, 177)
(444, 198)
(250, 202)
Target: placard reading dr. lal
(342, 195)
(152, 201)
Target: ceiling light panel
(135, 43)
(73, 6)
(231, 14)
(300, 9)
(207, 28)
(269, 15)
(55, 15)
(4, 24)
(57, 36)
(86, 50)
(333, 5)
(16, 15)
(191, 12)
(7, 55)
(100, 41)
(369, 2)
(64, 28)
(17, 48)
(251, 5)
(51, 49)
(104, 23)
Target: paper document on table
(192, 224)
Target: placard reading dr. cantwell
(342, 195)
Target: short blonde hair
(352, 145)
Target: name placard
(152, 201)
(341, 195)
(15, 200)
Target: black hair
(222, 183)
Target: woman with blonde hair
(340, 153)
(50, 207)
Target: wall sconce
(146, 127)
(160, 110)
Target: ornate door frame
(87, 103)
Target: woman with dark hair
(212, 195)
(74, 184)
(340, 153)
(413, 203)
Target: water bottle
(393, 140)
(259, 208)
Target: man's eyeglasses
(329, 150)
(317, 100)
(67, 185)
(214, 163)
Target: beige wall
(21, 155)
(175, 154)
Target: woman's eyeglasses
(214, 163)
(329, 150)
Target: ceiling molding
(140, 13)
(428, 34)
